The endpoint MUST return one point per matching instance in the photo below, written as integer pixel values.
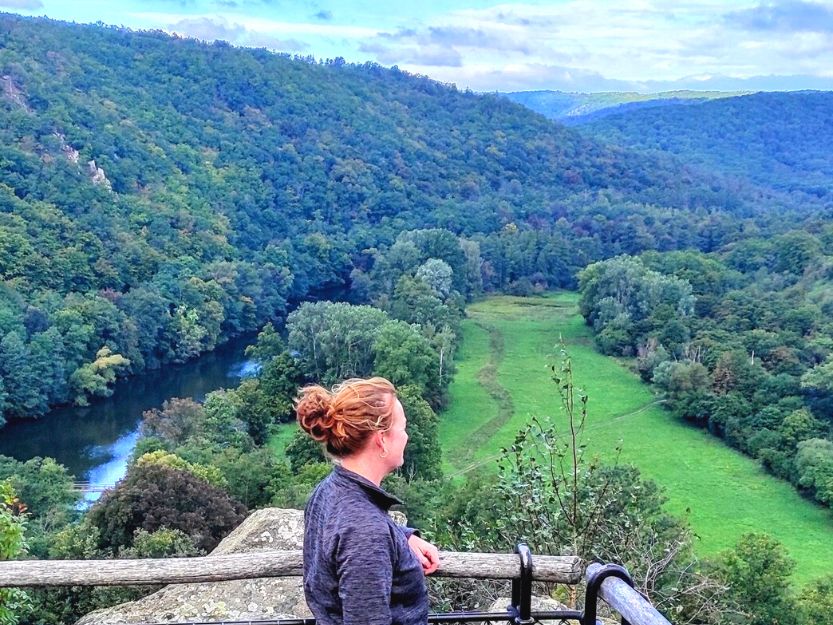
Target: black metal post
(521, 607)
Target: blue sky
(570, 45)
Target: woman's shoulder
(343, 502)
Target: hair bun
(313, 411)
(344, 418)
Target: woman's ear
(379, 440)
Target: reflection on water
(113, 462)
(94, 442)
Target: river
(94, 442)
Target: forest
(775, 140)
(159, 196)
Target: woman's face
(396, 437)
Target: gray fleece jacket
(358, 567)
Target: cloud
(424, 56)
(794, 82)
(570, 45)
(208, 28)
(535, 76)
(448, 45)
(784, 16)
(460, 37)
(256, 24)
(29, 5)
(220, 28)
(262, 40)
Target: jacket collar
(380, 496)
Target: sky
(569, 45)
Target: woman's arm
(364, 566)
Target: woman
(359, 566)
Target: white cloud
(264, 25)
(574, 44)
(633, 41)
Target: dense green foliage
(14, 603)
(159, 195)
(46, 488)
(749, 356)
(777, 140)
(153, 496)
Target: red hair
(344, 418)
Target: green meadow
(503, 377)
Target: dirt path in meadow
(473, 465)
(487, 377)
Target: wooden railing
(558, 569)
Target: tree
(404, 356)
(444, 342)
(415, 302)
(334, 341)
(153, 496)
(279, 381)
(22, 390)
(179, 420)
(95, 378)
(223, 425)
(757, 573)
(437, 274)
(46, 489)
(423, 456)
(253, 477)
(269, 345)
(443, 245)
(47, 351)
(814, 468)
(473, 267)
(686, 386)
(625, 301)
(209, 473)
(303, 450)
(816, 602)
(254, 410)
(817, 383)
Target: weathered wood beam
(29, 573)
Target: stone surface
(97, 175)
(263, 598)
(501, 604)
(542, 604)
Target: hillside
(577, 108)
(159, 195)
(777, 140)
(515, 339)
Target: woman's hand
(426, 553)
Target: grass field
(503, 378)
(280, 437)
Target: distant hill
(777, 140)
(577, 108)
(159, 195)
